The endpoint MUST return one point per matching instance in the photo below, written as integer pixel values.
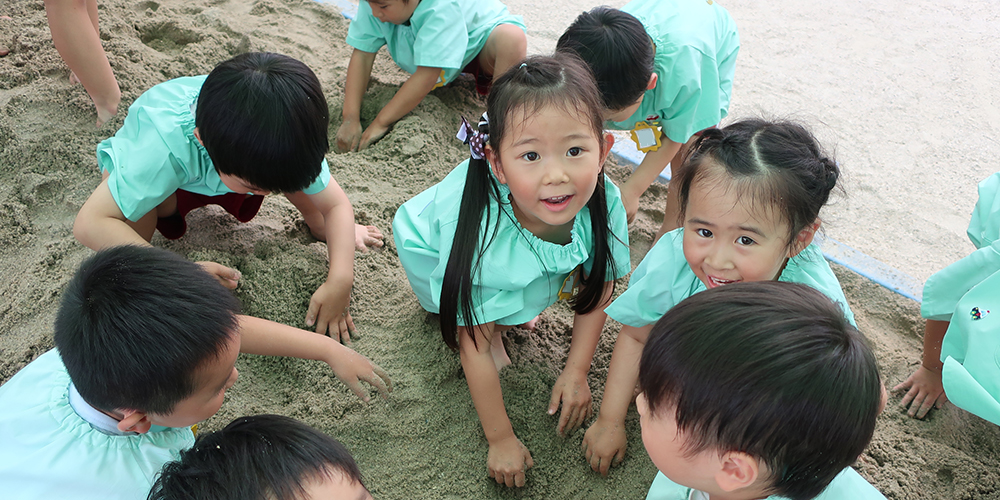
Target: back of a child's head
(563, 81)
(263, 118)
(136, 323)
(776, 167)
(770, 369)
(263, 457)
(618, 50)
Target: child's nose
(555, 173)
(718, 257)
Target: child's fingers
(386, 388)
(358, 390)
(925, 407)
(519, 479)
(908, 397)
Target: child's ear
(134, 421)
(739, 470)
(609, 142)
(495, 166)
(804, 238)
(652, 81)
(197, 135)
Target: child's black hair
(767, 368)
(263, 457)
(775, 166)
(618, 50)
(560, 80)
(263, 118)
(135, 325)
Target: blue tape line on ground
(347, 8)
(833, 250)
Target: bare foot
(530, 326)
(499, 352)
(366, 237)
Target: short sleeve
(945, 288)
(810, 267)
(688, 93)
(365, 32)
(441, 34)
(984, 226)
(322, 180)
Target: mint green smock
(520, 274)
(848, 485)
(664, 278)
(155, 153)
(48, 451)
(446, 34)
(696, 45)
(967, 295)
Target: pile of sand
(425, 441)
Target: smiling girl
(750, 197)
(536, 221)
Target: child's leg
(497, 349)
(365, 237)
(73, 24)
(505, 47)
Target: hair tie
(476, 138)
(523, 65)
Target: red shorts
(483, 81)
(242, 206)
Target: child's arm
(648, 170)
(328, 305)
(407, 97)
(359, 71)
(507, 459)
(101, 224)
(260, 336)
(605, 440)
(571, 387)
(925, 388)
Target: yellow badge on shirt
(571, 285)
(646, 136)
(440, 82)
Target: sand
(425, 441)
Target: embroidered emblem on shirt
(978, 314)
(440, 82)
(646, 136)
(571, 285)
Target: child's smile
(550, 162)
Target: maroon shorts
(243, 206)
(483, 81)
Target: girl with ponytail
(528, 219)
(750, 196)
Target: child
(265, 457)
(665, 66)
(758, 390)
(962, 369)
(433, 40)
(146, 344)
(552, 227)
(750, 198)
(256, 124)
(75, 34)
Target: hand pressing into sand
(372, 134)
(328, 310)
(349, 136)
(228, 276)
(925, 392)
(366, 237)
(508, 460)
(572, 390)
(352, 368)
(604, 445)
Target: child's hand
(228, 276)
(351, 368)
(349, 136)
(572, 389)
(925, 392)
(328, 311)
(508, 460)
(604, 445)
(366, 237)
(374, 132)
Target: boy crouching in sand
(256, 124)
(758, 390)
(264, 457)
(146, 346)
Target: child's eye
(574, 151)
(745, 240)
(530, 156)
(704, 233)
